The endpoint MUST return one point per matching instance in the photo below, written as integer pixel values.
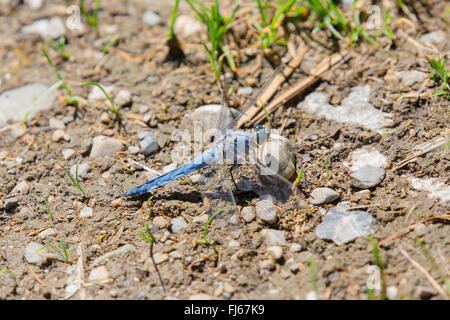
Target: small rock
(412, 77)
(47, 233)
(367, 177)
(113, 293)
(149, 145)
(362, 195)
(296, 247)
(176, 255)
(123, 98)
(83, 170)
(178, 225)
(276, 252)
(274, 237)
(437, 189)
(312, 295)
(133, 149)
(10, 204)
(117, 203)
(59, 134)
(434, 37)
(99, 274)
(208, 115)
(104, 118)
(48, 28)
(391, 292)
(97, 94)
(68, 153)
(34, 4)
(56, 124)
(151, 19)
(265, 210)
(86, 212)
(244, 91)
(294, 267)
(68, 119)
(195, 178)
(160, 257)
(22, 187)
(186, 26)
(267, 264)
(344, 226)
(248, 214)
(143, 109)
(366, 156)
(161, 222)
(118, 252)
(201, 219)
(322, 196)
(35, 256)
(234, 245)
(103, 146)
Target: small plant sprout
(147, 234)
(379, 263)
(312, 272)
(217, 27)
(112, 107)
(60, 47)
(441, 75)
(173, 17)
(49, 210)
(203, 239)
(92, 20)
(72, 100)
(329, 17)
(75, 181)
(327, 168)
(7, 271)
(110, 43)
(64, 253)
(299, 178)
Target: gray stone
(234, 245)
(56, 124)
(412, 77)
(296, 247)
(209, 114)
(123, 98)
(99, 274)
(151, 19)
(178, 225)
(265, 210)
(83, 170)
(244, 91)
(345, 226)
(10, 204)
(160, 257)
(322, 196)
(86, 212)
(22, 187)
(161, 222)
(59, 135)
(267, 264)
(195, 178)
(15, 103)
(201, 219)
(97, 94)
(274, 237)
(104, 146)
(133, 149)
(367, 177)
(186, 26)
(68, 153)
(35, 256)
(47, 233)
(149, 145)
(47, 28)
(433, 37)
(34, 4)
(248, 214)
(276, 252)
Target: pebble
(296, 247)
(123, 98)
(433, 37)
(83, 170)
(274, 237)
(248, 213)
(117, 203)
(186, 26)
(344, 226)
(67, 153)
(437, 189)
(267, 264)
(244, 91)
(265, 210)
(22, 187)
(143, 109)
(86, 212)
(33, 256)
(201, 219)
(412, 77)
(47, 233)
(176, 255)
(294, 267)
(47, 28)
(276, 252)
(15, 103)
(56, 124)
(208, 115)
(133, 149)
(391, 292)
(99, 274)
(355, 109)
(160, 257)
(114, 293)
(312, 295)
(119, 251)
(151, 19)
(104, 146)
(322, 196)
(178, 225)
(59, 135)
(362, 195)
(97, 94)
(34, 4)
(149, 145)
(234, 245)
(10, 204)
(195, 178)
(367, 177)
(104, 118)
(161, 222)
(364, 156)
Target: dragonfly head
(262, 135)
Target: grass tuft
(203, 239)
(75, 180)
(92, 20)
(441, 75)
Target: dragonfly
(240, 152)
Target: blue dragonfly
(238, 149)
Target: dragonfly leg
(231, 174)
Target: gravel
(322, 196)
(367, 177)
(265, 210)
(178, 225)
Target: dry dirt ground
(170, 90)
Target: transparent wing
(218, 196)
